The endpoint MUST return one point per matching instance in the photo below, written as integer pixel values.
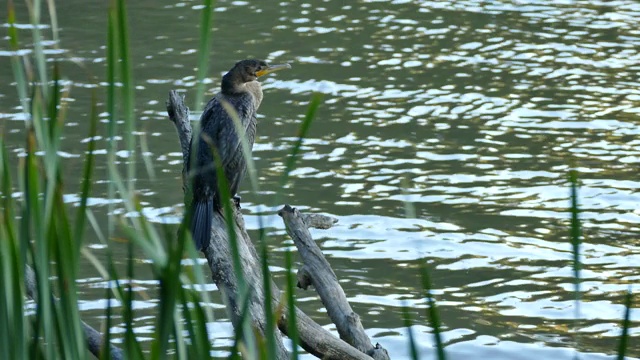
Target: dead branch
(313, 337)
(317, 272)
(94, 338)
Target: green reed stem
(65, 258)
(408, 325)
(127, 92)
(112, 129)
(575, 236)
(314, 104)
(626, 324)
(41, 68)
(268, 309)
(12, 259)
(16, 64)
(244, 292)
(204, 51)
(291, 306)
(432, 314)
(53, 15)
(81, 215)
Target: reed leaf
(204, 50)
(12, 259)
(432, 314)
(112, 128)
(35, 7)
(626, 324)
(291, 306)
(53, 15)
(127, 91)
(81, 214)
(270, 326)
(575, 236)
(16, 63)
(314, 104)
(408, 323)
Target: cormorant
(243, 92)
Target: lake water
(472, 111)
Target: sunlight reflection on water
(471, 111)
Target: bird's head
(251, 70)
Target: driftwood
(313, 337)
(317, 272)
(93, 337)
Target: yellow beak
(273, 68)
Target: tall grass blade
(198, 274)
(251, 168)
(106, 348)
(127, 91)
(65, 258)
(12, 259)
(408, 325)
(204, 51)
(132, 347)
(626, 323)
(196, 324)
(240, 333)
(244, 290)
(223, 190)
(32, 217)
(53, 15)
(178, 334)
(16, 64)
(293, 329)
(112, 129)
(39, 57)
(170, 289)
(244, 145)
(81, 214)
(268, 308)
(432, 314)
(314, 103)
(49, 142)
(409, 208)
(575, 236)
(146, 157)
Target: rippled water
(471, 111)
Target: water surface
(470, 111)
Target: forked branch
(313, 337)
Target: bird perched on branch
(218, 137)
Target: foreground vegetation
(40, 230)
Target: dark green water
(480, 106)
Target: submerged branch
(94, 338)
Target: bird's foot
(236, 200)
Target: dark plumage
(242, 91)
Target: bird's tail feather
(201, 223)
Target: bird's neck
(235, 87)
(232, 85)
(255, 89)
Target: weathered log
(317, 341)
(317, 272)
(313, 337)
(179, 115)
(93, 337)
